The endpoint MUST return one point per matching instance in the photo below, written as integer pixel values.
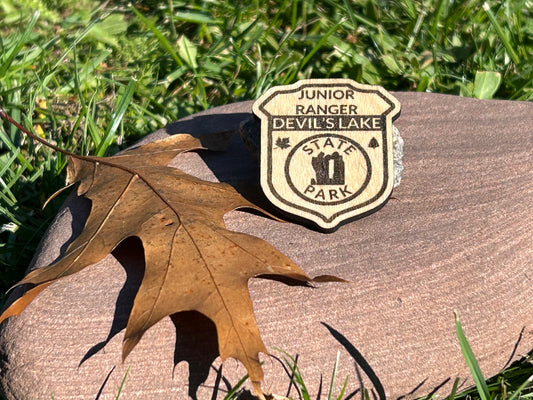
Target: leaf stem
(5, 116)
(92, 159)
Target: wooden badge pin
(327, 148)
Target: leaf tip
(329, 278)
(217, 141)
(6, 314)
(258, 390)
(127, 346)
(22, 302)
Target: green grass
(94, 78)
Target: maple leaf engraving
(193, 263)
(283, 143)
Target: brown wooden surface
(457, 235)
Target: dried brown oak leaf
(192, 261)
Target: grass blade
(519, 389)
(73, 45)
(471, 361)
(85, 72)
(454, 389)
(162, 39)
(13, 148)
(116, 118)
(348, 8)
(345, 384)
(233, 391)
(320, 43)
(439, 11)
(195, 17)
(333, 375)
(499, 31)
(296, 377)
(22, 40)
(122, 384)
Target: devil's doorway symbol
(329, 169)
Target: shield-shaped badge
(326, 148)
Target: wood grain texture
(457, 235)
(327, 148)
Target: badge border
(361, 88)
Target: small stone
(397, 153)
